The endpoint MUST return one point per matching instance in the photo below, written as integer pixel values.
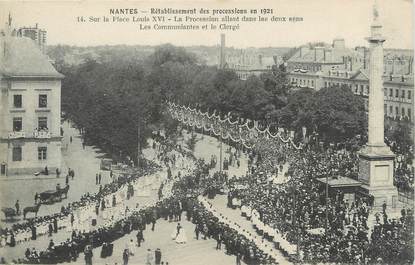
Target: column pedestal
(376, 174)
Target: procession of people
(291, 213)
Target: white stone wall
(30, 91)
(30, 112)
(30, 162)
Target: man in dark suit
(50, 229)
(88, 255)
(55, 225)
(157, 254)
(197, 231)
(153, 222)
(140, 237)
(34, 235)
(219, 241)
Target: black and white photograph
(208, 132)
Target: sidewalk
(85, 162)
(27, 177)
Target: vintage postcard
(207, 132)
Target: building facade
(337, 65)
(245, 62)
(30, 108)
(248, 62)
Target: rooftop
(20, 57)
(339, 181)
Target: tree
(295, 115)
(400, 135)
(337, 113)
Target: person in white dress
(131, 247)
(180, 237)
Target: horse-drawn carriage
(9, 213)
(51, 196)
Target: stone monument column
(376, 109)
(376, 160)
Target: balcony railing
(42, 134)
(17, 135)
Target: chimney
(410, 63)
(222, 58)
(339, 44)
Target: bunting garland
(245, 132)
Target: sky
(324, 20)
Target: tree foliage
(116, 99)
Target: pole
(220, 150)
(327, 205)
(295, 221)
(138, 144)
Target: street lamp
(139, 147)
(294, 219)
(327, 205)
(220, 150)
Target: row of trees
(111, 99)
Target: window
(42, 123)
(385, 92)
(409, 94)
(367, 90)
(356, 89)
(43, 101)
(403, 112)
(390, 92)
(397, 93)
(403, 94)
(42, 153)
(17, 101)
(409, 114)
(396, 111)
(17, 124)
(391, 110)
(385, 108)
(17, 153)
(312, 83)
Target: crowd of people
(298, 208)
(179, 195)
(325, 228)
(73, 215)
